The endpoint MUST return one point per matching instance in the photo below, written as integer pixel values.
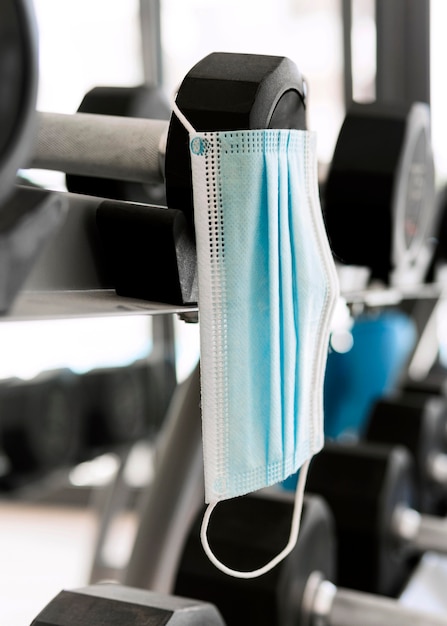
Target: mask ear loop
(186, 123)
(293, 537)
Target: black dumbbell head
(117, 604)
(224, 91)
(227, 91)
(419, 422)
(363, 484)
(245, 534)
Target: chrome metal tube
(325, 604)
(432, 534)
(437, 467)
(354, 607)
(423, 532)
(105, 146)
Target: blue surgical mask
(267, 290)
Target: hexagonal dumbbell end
(117, 604)
(228, 91)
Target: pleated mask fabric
(267, 291)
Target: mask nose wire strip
(293, 538)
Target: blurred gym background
(48, 535)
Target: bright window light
(84, 44)
(309, 33)
(364, 50)
(29, 348)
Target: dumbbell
(370, 490)
(110, 603)
(387, 197)
(224, 91)
(417, 421)
(245, 533)
(141, 101)
(362, 397)
(296, 593)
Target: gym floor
(43, 549)
(48, 535)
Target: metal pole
(347, 51)
(403, 51)
(174, 497)
(150, 24)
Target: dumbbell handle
(335, 606)
(104, 146)
(423, 532)
(437, 467)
